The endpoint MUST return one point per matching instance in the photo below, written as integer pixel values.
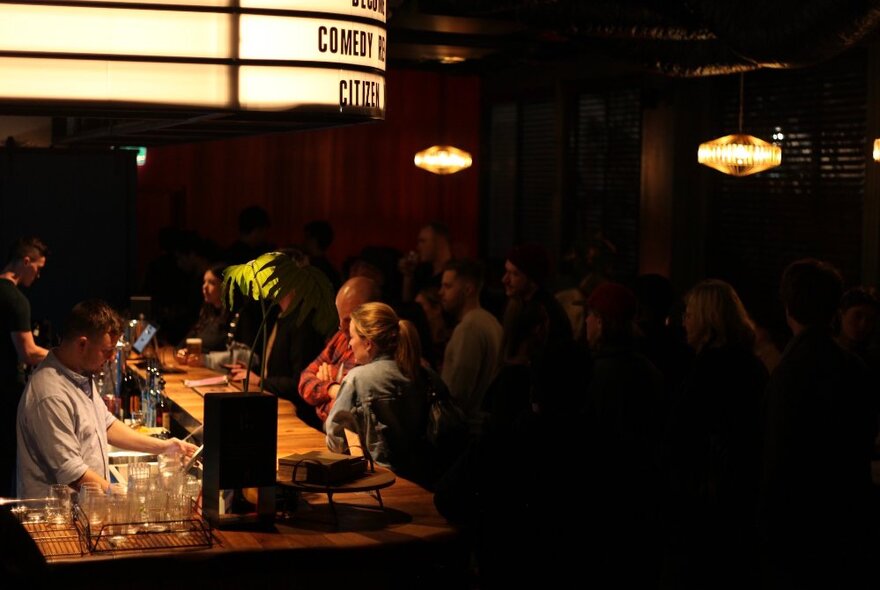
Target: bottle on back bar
(163, 408)
(130, 392)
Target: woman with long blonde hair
(715, 317)
(385, 398)
(713, 443)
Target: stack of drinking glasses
(157, 499)
(49, 522)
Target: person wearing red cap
(612, 309)
(623, 422)
(526, 269)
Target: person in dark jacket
(658, 337)
(623, 424)
(526, 270)
(289, 350)
(818, 435)
(713, 446)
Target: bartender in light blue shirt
(63, 425)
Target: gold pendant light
(443, 159)
(739, 154)
(877, 150)
(440, 158)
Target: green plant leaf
(272, 276)
(237, 278)
(265, 283)
(313, 296)
(255, 279)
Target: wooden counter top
(409, 525)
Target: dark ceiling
(670, 37)
(682, 38)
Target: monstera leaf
(274, 275)
(252, 279)
(271, 277)
(313, 293)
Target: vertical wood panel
(655, 205)
(871, 205)
(361, 178)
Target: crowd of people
(685, 454)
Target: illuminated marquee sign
(258, 55)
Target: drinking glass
(138, 490)
(194, 352)
(137, 419)
(96, 509)
(118, 510)
(59, 496)
(85, 490)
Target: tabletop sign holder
(241, 439)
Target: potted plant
(277, 279)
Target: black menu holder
(241, 438)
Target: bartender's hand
(175, 446)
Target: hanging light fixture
(740, 154)
(877, 150)
(443, 159)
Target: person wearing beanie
(623, 422)
(525, 271)
(612, 309)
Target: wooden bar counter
(408, 545)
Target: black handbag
(447, 423)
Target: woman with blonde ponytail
(385, 398)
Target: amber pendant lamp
(443, 159)
(739, 154)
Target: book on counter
(321, 467)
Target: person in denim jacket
(385, 398)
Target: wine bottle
(130, 392)
(163, 408)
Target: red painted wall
(361, 178)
